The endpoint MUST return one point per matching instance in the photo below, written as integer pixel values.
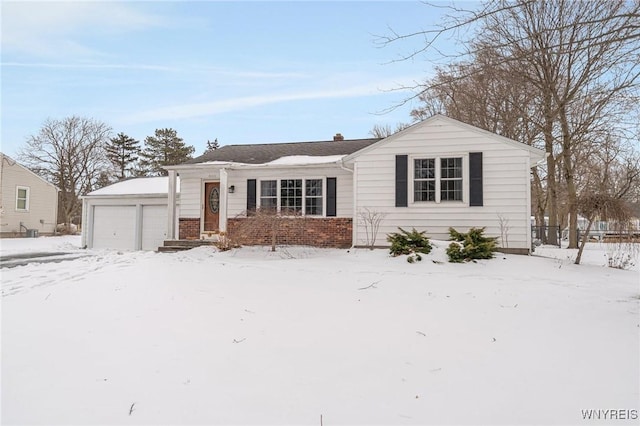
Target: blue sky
(242, 72)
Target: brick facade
(317, 232)
(189, 229)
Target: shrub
(409, 243)
(470, 246)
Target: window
(269, 194)
(451, 179)
(424, 175)
(291, 195)
(313, 197)
(437, 179)
(22, 198)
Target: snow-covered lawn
(357, 337)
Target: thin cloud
(150, 67)
(53, 28)
(87, 66)
(201, 109)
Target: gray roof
(264, 153)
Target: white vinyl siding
(191, 199)
(41, 203)
(506, 171)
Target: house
(29, 203)
(436, 174)
(128, 215)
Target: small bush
(409, 243)
(470, 246)
(224, 243)
(454, 251)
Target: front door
(211, 206)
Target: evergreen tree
(104, 179)
(123, 152)
(212, 146)
(164, 149)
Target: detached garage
(128, 215)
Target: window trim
(449, 179)
(322, 197)
(27, 198)
(259, 195)
(279, 180)
(415, 179)
(437, 157)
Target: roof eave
(388, 139)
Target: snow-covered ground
(357, 337)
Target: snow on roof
(289, 160)
(146, 185)
(302, 160)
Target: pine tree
(212, 146)
(123, 152)
(164, 149)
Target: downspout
(528, 209)
(85, 222)
(354, 215)
(171, 205)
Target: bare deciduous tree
(580, 58)
(70, 153)
(607, 206)
(371, 219)
(269, 226)
(383, 131)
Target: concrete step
(189, 243)
(172, 249)
(180, 245)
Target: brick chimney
(338, 137)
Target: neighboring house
(436, 174)
(128, 215)
(29, 202)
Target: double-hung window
(269, 194)
(451, 179)
(424, 183)
(22, 198)
(313, 197)
(437, 179)
(293, 196)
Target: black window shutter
(331, 196)
(475, 179)
(401, 180)
(251, 196)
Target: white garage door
(154, 226)
(114, 227)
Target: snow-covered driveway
(252, 337)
